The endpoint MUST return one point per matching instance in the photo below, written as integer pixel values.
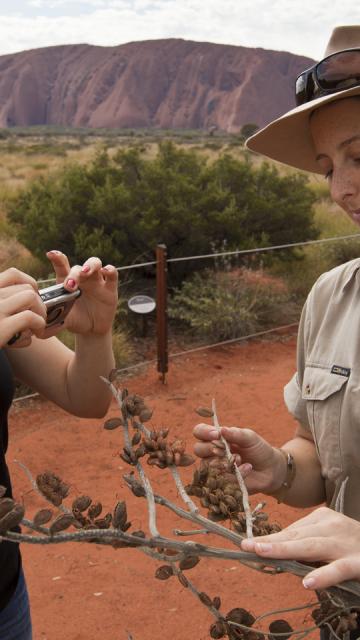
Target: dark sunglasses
(336, 72)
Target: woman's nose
(343, 186)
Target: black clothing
(9, 551)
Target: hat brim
(288, 138)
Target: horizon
(303, 29)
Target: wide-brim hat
(288, 139)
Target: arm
(72, 379)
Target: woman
(322, 461)
(70, 379)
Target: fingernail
(214, 435)
(248, 545)
(71, 283)
(85, 268)
(55, 251)
(309, 583)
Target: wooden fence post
(161, 311)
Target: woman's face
(335, 129)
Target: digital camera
(58, 302)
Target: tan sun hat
(288, 139)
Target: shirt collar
(351, 272)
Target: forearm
(88, 394)
(308, 488)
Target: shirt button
(307, 388)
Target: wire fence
(210, 256)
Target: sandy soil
(87, 591)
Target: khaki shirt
(324, 394)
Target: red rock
(157, 83)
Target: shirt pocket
(324, 392)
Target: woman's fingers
(331, 574)
(60, 264)
(310, 549)
(110, 275)
(13, 276)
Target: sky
(299, 26)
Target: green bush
(120, 208)
(221, 306)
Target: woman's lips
(356, 216)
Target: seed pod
(169, 458)
(164, 572)
(149, 444)
(214, 508)
(277, 627)
(205, 413)
(212, 483)
(136, 438)
(81, 503)
(12, 518)
(103, 523)
(61, 523)
(218, 630)
(213, 499)
(120, 515)
(139, 534)
(94, 510)
(6, 504)
(140, 452)
(126, 458)
(145, 415)
(178, 446)
(189, 562)
(183, 580)
(230, 502)
(217, 603)
(240, 616)
(204, 503)
(205, 599)
(155, 462)
(124, 394)
(113, 423)
(42, 517)
(64, 489)
(2, 490)
(223, 508)
(137, 489)
(186, 460)
(164, 433)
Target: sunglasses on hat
(334, 73)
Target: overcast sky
(299, 26)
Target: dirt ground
(85, 591)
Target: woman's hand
(94, 311)
(322, 536)
(22, 312)
(263, 466)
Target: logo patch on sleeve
(340, 371)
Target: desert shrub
(225, 305)
(121, 207)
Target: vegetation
(224, 305)
(120, 207)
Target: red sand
(87, 591)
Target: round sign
(141, 304)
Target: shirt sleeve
(294, 400)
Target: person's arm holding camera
(72, 379)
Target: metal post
(161, 311)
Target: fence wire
(214, 255)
